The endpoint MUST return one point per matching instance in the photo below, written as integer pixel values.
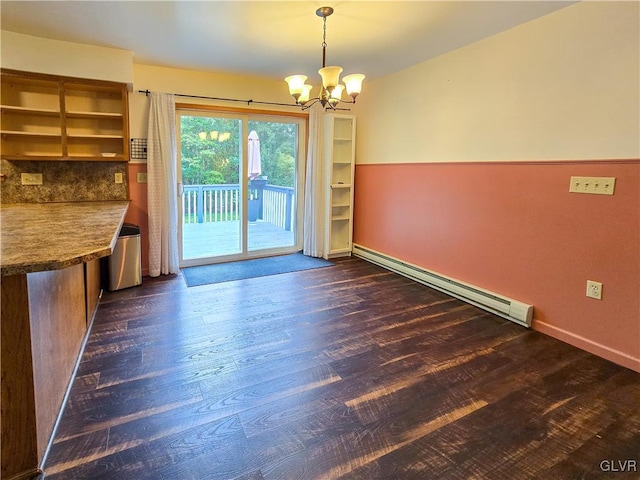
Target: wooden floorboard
(344, 372)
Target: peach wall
(515, 229)
(138, 212)
(464, 169)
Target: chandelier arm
(310, 104)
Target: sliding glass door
(211, 163)
(241, 185)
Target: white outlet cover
(594, 289)
(31, 178)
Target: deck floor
(203, 240)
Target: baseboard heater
(513, 310)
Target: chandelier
(331, 90)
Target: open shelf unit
(340, 136)
(48, 117)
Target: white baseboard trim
(590, 346)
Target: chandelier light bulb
(353, 83)
(330, 77)
(306, 93)
(336, 94)
(296, 84)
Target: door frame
(245, 115)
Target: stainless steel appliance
(125, 263)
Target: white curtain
(162, 185)
(315, 186)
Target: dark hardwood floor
(341, 372)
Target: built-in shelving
(340, 130)
(93, 115)
(30, 111)
(47, 117)
(18, 133)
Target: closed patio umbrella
(255, 165)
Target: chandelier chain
(324, 32)
(324, 41)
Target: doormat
(258, 267)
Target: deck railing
(221, 203)
(277, 206)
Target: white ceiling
(273, 39)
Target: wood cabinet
(45, 318)
(340, 138)
(92, 288)
(44, 322)
(50, 260)
(46, 117)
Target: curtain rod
(248, 102)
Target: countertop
(36, 237)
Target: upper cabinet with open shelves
(46, 117)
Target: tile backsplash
(63, 181)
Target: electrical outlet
(31, 178)
(594, 289)
(118, 177)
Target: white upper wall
(563, 87)
(207, 84)
(42, 55)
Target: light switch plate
(31, 178)
(141, 177)
(118, 177)
(594, 185)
